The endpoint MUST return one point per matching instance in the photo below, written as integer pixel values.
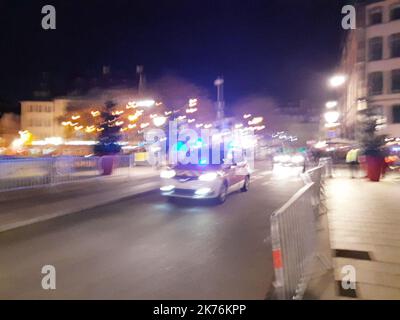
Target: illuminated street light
(331, 104)
(337, 80)
(332, 116)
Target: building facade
(371, 62)
(41, 118)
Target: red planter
(107, 165)
(374, 167)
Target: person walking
(352, 161)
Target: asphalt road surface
(146, 248)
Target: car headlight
(210, 176)
(167, 174)
(203, 191)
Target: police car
(212, 181)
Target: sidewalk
(23, 207)
(364, 225)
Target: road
(144, 247)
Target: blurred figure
(352, 161)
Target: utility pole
(142, 85)
(219, 83)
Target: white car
(205, 181)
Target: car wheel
(246, 184)
(222, 194)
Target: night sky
(278, 48)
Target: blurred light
(238, 126)
(75, 117)
(95, 113)
(167, 188)
(332, 125)
(297, 159)
(17, 144)
(90, 129)
(199, 125)
(219, 82)
(81, 143)
(255, 121)
(203, 191)
(337, 80)
(320, 145)
(131, 105)
(159, 121)
(131, 126)
(282, 158)
(331, 104)
(167, 174)
(332, 116)
(208, 126)
(155, 149)
(119, 123)
(192, 103)
(210, 176)
(167, 113)
(246, 116)
(191, 110)
(146, 103)
(191, 120)
(144, 125)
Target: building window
(396, 81)
(375, 16)
(375, 48)
(395, 13)
(394, 40)
(396, 114)
(375, 83)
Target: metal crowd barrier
(294, 230)
(26, 173)
(293, 234)
(327, 164)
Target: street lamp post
(219, 83)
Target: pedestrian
(352, 161)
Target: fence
(294, 230)
(35, 172)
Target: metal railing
(294, 229)
(293, 234)
(36, 172)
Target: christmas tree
(110, 130)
